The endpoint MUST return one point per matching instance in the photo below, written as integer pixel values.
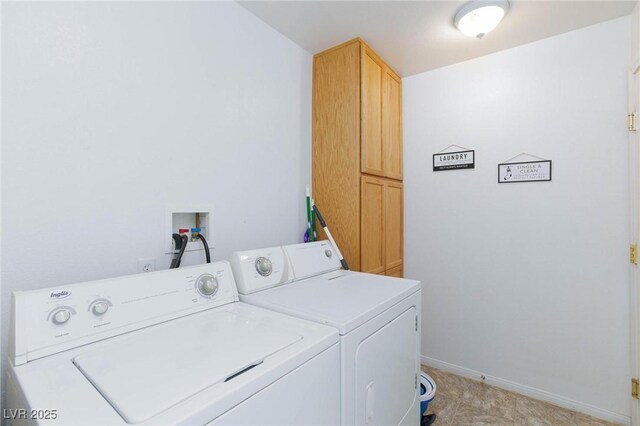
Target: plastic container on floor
(427, 392)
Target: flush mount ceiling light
(478, 17)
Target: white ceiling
(416, 36)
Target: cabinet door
(372, 247)
(392, 125)
(371, 95)
(393, 224)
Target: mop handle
(333, 242)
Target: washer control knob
(264, 266)
(207, 285)
(100, 308)
(328, 253)
(61, 316)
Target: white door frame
(634, 235)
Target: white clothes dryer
(378, 318)
(167, 347)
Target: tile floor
(462, 401)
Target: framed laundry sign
(454, 160)
(526, 171)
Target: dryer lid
(155, 370)
(342, 299)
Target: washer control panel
(55, 319)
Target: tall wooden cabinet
(357, 155)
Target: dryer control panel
(312, 259)
(260, 269)
(257, 270)
(51, 320)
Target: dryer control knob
(264, 266)
(100, 308)
(61, 316)
(207, 285)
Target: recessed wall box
(187, 219)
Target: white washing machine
(168, 347)
(378, 318)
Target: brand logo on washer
(60, 294)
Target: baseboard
(529, 391)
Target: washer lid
(342, 299)
(169, 363)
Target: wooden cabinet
(336, 146)
(357, 155)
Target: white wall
(526, 283)
(114, 111)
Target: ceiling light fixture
(478, 17)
